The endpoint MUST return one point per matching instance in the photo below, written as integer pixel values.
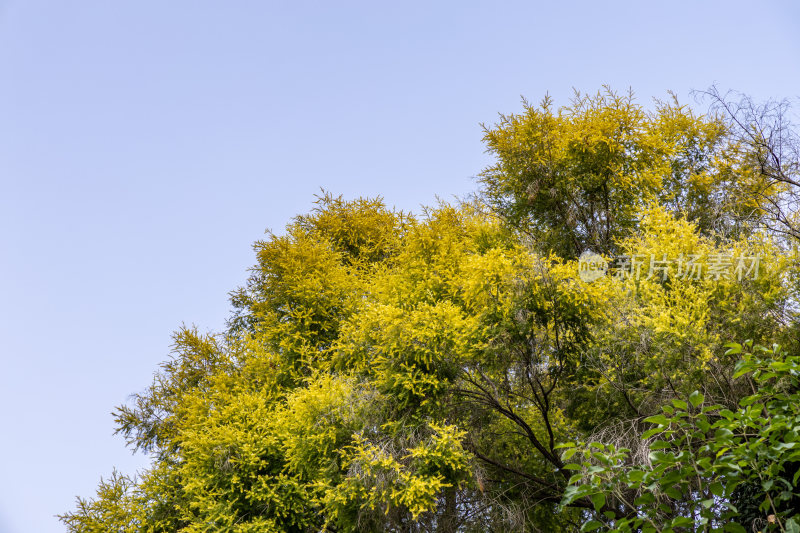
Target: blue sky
(145, 145)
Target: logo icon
(591, 266)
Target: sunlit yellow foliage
(390, 372)
(577, 177)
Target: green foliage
(699, 455)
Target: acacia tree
(389, 372)
(729, 188)
(577, 177)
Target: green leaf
(658, 419)
(727, 414)
(591, 525)
(742, 368)
(680, 404)
(681, 521)
(791, 526)
(636, 476)
(650, 432)
(598, 500)
(659, 444)
(734, 348)
(723, 434)
(696, 398)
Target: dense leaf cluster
(451, 371)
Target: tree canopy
(454, 371)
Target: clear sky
(144, 145)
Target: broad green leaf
(696, 398)
(598, 500)
(733, 348)
(591, 525)
(658, 419)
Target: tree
(576, 178)
(389, 372)
(766, 140)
